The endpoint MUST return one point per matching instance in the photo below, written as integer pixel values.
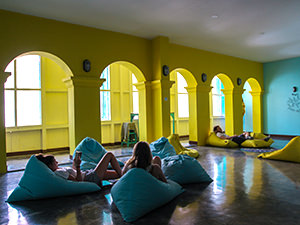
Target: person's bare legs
(101, 168)
(156, 160)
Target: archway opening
(36, 107)
(183, 104)
(247, 108)
(122, 101)
(253, 106)
(220, 101)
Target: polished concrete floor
(245, 190)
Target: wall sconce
(165, 70)
(203, 77)
(239, 81)
(295, 89)
(86, 65)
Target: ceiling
(258, 30)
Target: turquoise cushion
(162, 148)
(184, 169)
(92, 152)
(38, 181)
(138, 193)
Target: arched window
(183, 98)
(135, 95)
(218, 99)
(105, 95)
(23, 92)
(248, 116)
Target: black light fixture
(86, 65)
(203, 77)
(239, 81)
(165, 70)
(295, 89)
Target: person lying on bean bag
(75, 174)
(239, 139)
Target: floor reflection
(245, 190)
(15, 217)
(219, 176)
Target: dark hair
(216, 127)
(141, 156)
(47, 159)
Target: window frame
(219, 95)
(16, 90)
(178, 93)
(133, 91)
(108, 90)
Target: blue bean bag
(38, 181)
(138, 193)
(92, 152)
(184, 169)
(162, 148)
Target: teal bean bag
(92, 152)
(184, 169)
(38, 182)
(162, 148)
(138, 193)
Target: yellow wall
(68, 45)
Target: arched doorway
(183, 103)
(122, 94)
(221, 104)
(36, 105)
(254, 103)
(248, 112)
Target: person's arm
(78, 175)
(125, 168)
(225, 136)
(76, 166)
(72, 178)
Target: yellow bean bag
(257, 143)
(258, 135)
(180, 150)
(291, 152)
(214, 140)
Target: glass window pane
(183, 103)
(223, 105)
(105, 105)
(106, 75)
(222, 86)
(134, 81)
(135, 102)
(9, 108)
(11, 79)
(214, 85)
(29, 108)
(217, 110)
(181, 83)
(28, 72)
